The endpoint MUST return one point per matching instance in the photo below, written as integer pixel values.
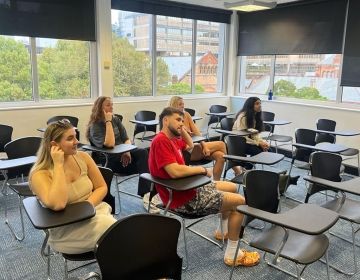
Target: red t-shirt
(164, 151)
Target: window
(64, 69)
(131, 54)
(351, 95)
(209, 57)
(173, 62)
(307, 76)
(255, 74)
(15, 69)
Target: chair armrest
(350, 186)
(118, 149)
(306, 218)
(45, 218)
(309, 147)
(181, 184)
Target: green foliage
(131, 69)
(15, 71)
(64, 70)
(288, 89)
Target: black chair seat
(279, 138)
(312, 247)
(350, 211)
(350, 152)
(22, 189)
(87, 256)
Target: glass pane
(15, 69)
(64, 69)
(312, 76)
(174, 50)
(351, 94)
(131, 53)
(210, 40)
(257, 74)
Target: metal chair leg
(21, 236)
(185, 246)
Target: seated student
(106, 130)
(214, 149)
(166, 161)
(250, 117)
(61, 176)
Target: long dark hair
(251, 115)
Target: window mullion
(193, 56)
(153, 53)
(34, 70)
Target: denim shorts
(208, 200)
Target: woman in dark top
(106, 130)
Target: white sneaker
(156, 200)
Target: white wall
(305, 116)
(26, 121)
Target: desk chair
(329, 125)
(45, 219)
(190, 111)
(226, 124)
(19, 148)
(182, 184)
(284, 139)
(5, 136)
(327, 166)
(215, 119)
(296, 235)
(139, 128)
(141, 246)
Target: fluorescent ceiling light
(250, 5)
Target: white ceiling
(220, 3)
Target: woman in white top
(249, 117)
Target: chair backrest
(120, 117)
(236, 146)
(145, 116)
(5, 135)
(141, 246)
(22, 147)
(262, 190)
(190, 111)
(325, 124)
(216, 109)
(268, 116)
(73, 120)
(227, 123)
(326, 166)
(307, 137)
(108, 174)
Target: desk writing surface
(223, 114)
(235, 132)
(306, 218)
(13, 163)
(351, 186)
(267, 158)
(277, 122)
(339, 132)
(44, 218)
(323, 147)
(146, 123)
(118, 149)
(181, 184)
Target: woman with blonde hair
(214, 150)
(61, 176)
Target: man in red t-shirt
(166, 161)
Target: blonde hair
(97, 113)
(174, 101)
(53, 132)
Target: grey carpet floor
(22, 260)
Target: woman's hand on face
(57, 154)
(108, 116)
